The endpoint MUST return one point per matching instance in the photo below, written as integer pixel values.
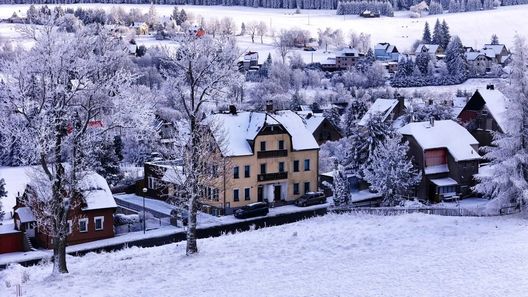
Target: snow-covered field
(474, 28)
(335, 255)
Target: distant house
(141, 28)
(11, 240)
(249, 62)
(446, 154)
(320, 127)
(484, 114)
(386, 52)
(420, 8)
(163, 178)
(347, 58)
(388, 109)
(93, 217)
(329, 64)
(434, 50)
(498, 52)
(369, 14)
(479, 61)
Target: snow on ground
(474, 28)
(335, 255)
(16, 179)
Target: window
(152, 183)
(262, 145)
(209, 193)
(447, 190)
(236, 195)
(435, 157)
(296, 166)
(281, 166)
(99, 223)
(306, 187)
(69, 226)
(83, 225)
(247, 170)
(247, 194)
(307, 165)
(236, 173)
(296, 189)
(263, 168)
(215, 194)
(281, 144)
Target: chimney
(490, 87)
(309, 115)
(269, 105)
(431, 122)
(232, 109)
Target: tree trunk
(59, 255)
(192, 246)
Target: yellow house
(271, 157)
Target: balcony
(272, 176)
(272, 154)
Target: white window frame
(69, 226)
(102, 223)
(86, 221)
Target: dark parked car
(252, 210)
(311, 198)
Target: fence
(392, 211)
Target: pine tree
(508, 156)
(390, 172)
(446, 36)
(341, 189)
(355, 111)
(438, 35)
(175, 13)
(3, 193)
(454, 6)
(422, 62)
(494, 39)
(243, 29)
(296, 101)
(436, 8)
(426, 37)
(332, 115)
(455, 58)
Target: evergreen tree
(508, 156)
(422, 62)
(454, 58)
(355, 111)
(454, 6)
(436, 8)
(3, 193)
(390, 172)
(494, 39)
(446, 36)
(426, 37)
(106, 162)
(333, 116)
(341, 189)
(438, 35)
(296, 101)
(175, 14)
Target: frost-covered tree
(446, 34)
(454, 6)
(436, 8)
(333, 116)
(390, 172)
(198, 74)
(251, 29)
(495, 39)
(73, 96)
(422, 62)
(426, 37)
(455, 59)
(3, 194)
(354, 112)
(438, 34)
(508, 183)
(340, 183)
(425, 112)
(262, 29)
(282, 44)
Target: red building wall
(11, 242)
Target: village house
(434, 50)
(91, 219)
(321, 128)
(447, 156)
(478, 62)
(388, 109)
(386, 52)
(484, 114)
(344, 59)
(498, 52)
(249, 62)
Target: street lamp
(144, 214)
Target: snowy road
(334, 255)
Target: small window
(215, 194)
(296, 189)
(262, 145)
(306, 187)
(247, 171)
(281, 144)
(69, 226)
(307, 165)
(236, 172)
(247, 194)
(281, 166)
(99, 223)
(83, 225)
(296, 166)
(263, 168)
(236, 195)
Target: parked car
(179, 214)
(311, 198)
(309, 49)
(252, 210)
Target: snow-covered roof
(347, 52)
(444, 182)
(236, 131)
(381, 106)
(472, 56)
(430, 48)
(497, 48)
(381, 46)
(25, 214)
(496, 105)
(444, 134)
(312, 120)
(96, 192)
(328, 61)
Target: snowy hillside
(474, 28)
(411, 255)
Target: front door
(277, 193)
(260, 194)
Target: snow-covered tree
(198, 74)
(426, 37)
(509, 154)
(72, 97)
(341, 189)
(262, 29)
(251, 29)
(282, 44)
(390, 172)
(354, 112)
(438, 34)
(455, 59)
(446, 34)
(422, 62)
(3, 194)
(435, 8)
(494, 39)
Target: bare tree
(251, 28)
(282, 44)
(52, 93)
(199, 74)
(261, 30)
(228, 27)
